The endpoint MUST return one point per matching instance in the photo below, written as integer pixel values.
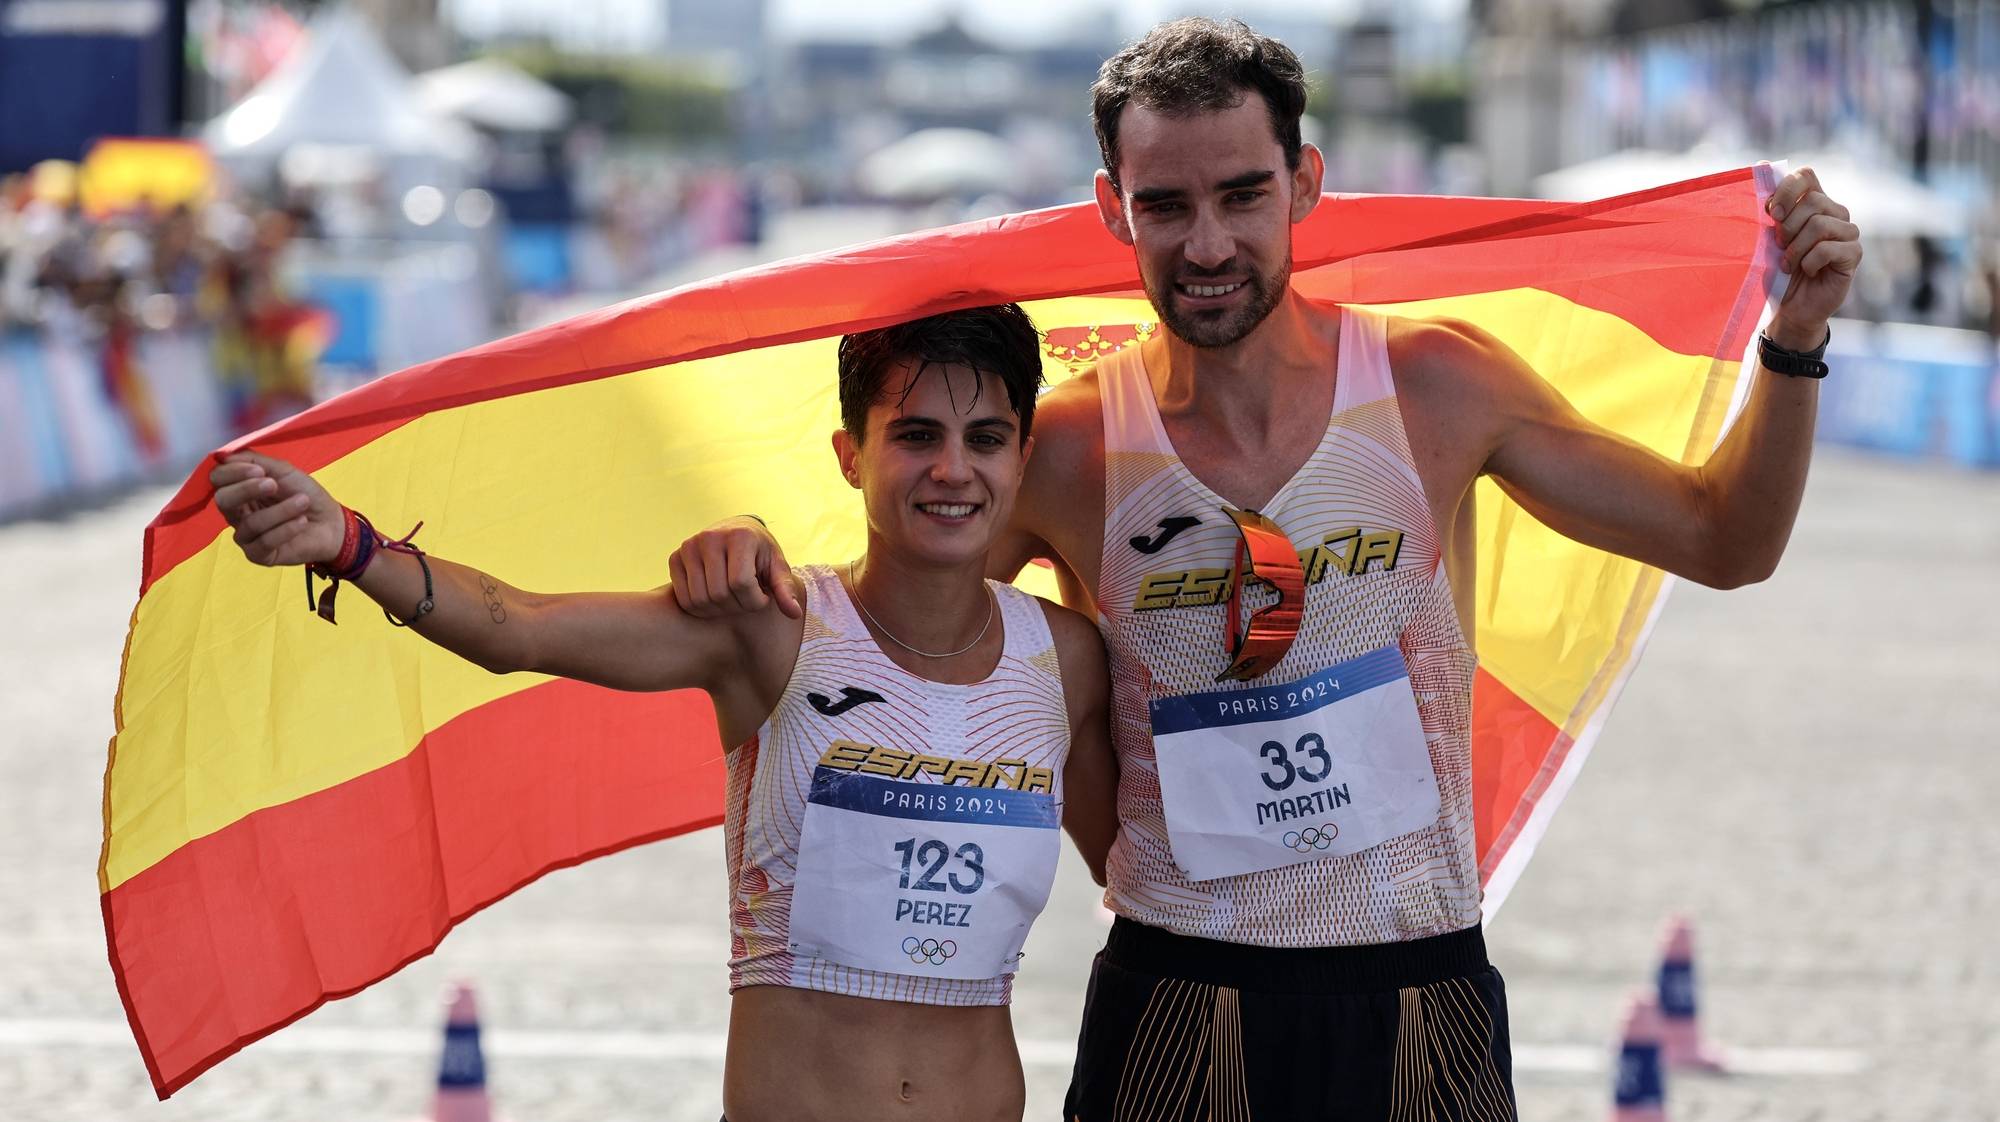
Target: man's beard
(1222, 328)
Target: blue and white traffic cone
(461, 1089)
(1641, 1091)
(1680, 1029)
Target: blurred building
(834, 101)
(1392, 102)
(1370, 144)
(1898, 105)
(736, 28)
(72, 72)
(1916, 84)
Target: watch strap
(1797, 364)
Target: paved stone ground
(1803, 766)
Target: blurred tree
(1633, 16)
(1435, 102)
(637, 96)
(1321, 105)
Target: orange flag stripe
(1515, 750)
(245, 930)
(1355, 249)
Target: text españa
(1350, 551)
(901, 763)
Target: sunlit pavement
(1805, 767)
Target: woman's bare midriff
(803, 1056)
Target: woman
(903, 753)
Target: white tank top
(845, 691)
(1360, 478)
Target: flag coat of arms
(293, 811)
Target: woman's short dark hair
(997, 339)
(1199, 65)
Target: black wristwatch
(1798, 364)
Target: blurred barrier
(1913, 390)
(538, 257)
(1906, 389)
(397, 306)
(65, 434)
(80, 418)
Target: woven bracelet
(357, 549)
(429, 602)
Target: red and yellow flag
(293, 811)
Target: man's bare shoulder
(1456, 372)
(1461, 390)
(1069, 419)
(1433, 349)
(1069, 438)
(1068, 462)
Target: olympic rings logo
(1312, 837)
(932, 951)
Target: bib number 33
(1327, 765)
(1285, 773)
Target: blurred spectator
(99, 282)
(266, 340)
(1934, 298)
(1989, 278)
(181, 265)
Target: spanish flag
(292, 811)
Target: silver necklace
(984, 628)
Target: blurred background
(215, 212)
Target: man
(1297, 899)
(888, 848)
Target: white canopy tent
(939, 163)
(1883, 202)
(494, 94)
(342, 92)
(1633, 169)
(389, 182)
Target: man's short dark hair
(997, 339)
(1199, 65)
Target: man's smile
(1208, 290)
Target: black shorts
(1179, 1029)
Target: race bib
(930, 879)
(1326, 765)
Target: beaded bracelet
(359, 543)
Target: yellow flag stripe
(236, 698)
(1557, 620)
